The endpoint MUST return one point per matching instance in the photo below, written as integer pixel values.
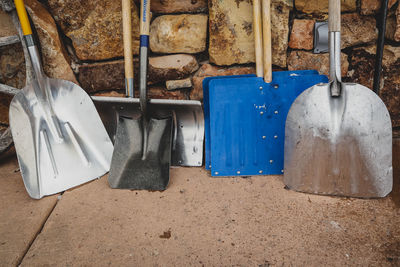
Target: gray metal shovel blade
(339, 145)
(138, 163)
(60, 140)
(187, 115)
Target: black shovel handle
(380, 46)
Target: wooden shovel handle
(127, 34)
(258, 37)
(266, 11)
(334, 15)
(145, 17)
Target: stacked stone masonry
(81, 41)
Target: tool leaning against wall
(151, 133)
(57, 147)
(188, 132)
(339, 135)
(245, 115)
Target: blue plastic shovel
(245, 115)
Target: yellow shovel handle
(23, 17)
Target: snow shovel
(58, 135)
(187, 142)
(338, 135)
(144, 139)
(247, 114)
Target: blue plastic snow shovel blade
(247, 121)
(206, 105)
(206, 109)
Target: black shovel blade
(137, 166)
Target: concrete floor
(197, 221)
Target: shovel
(246, 114)
(338, 135)
(58, 135)
(187, 137)
(146, 130)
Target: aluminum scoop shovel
(338, 135)
(58, 135)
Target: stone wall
(193, 39)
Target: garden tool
(187, 142)
(380, 46)
(58, 135)
(338, 135)
(145, 132)
(247, 114)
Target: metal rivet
(276, 86)
(261, 88)
(238, 172)
(209, 166)
(260, 171)
(262, 112)
(282, 171)
(264, 137)
(216, 173)
(271, 161)
(276, 112)
(275, 136)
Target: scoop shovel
(338, 135)
(58, 135)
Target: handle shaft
(335, 74)
(334, 15)
(380, 47)
(128, 56)
(143, 58)
(258, 37)
(23, 17)
(266, 8)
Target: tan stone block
(303, 60)
(369, 7)
(178, 84)
(95, 27)
(321, 6)
(56, 62)
(179, 34)
(231, 32)
(177, 6)
(6, 26)
(302, 35)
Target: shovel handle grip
(266, 11)
(23, 17)
(145, 18)
(334, 15)
(258, 37)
